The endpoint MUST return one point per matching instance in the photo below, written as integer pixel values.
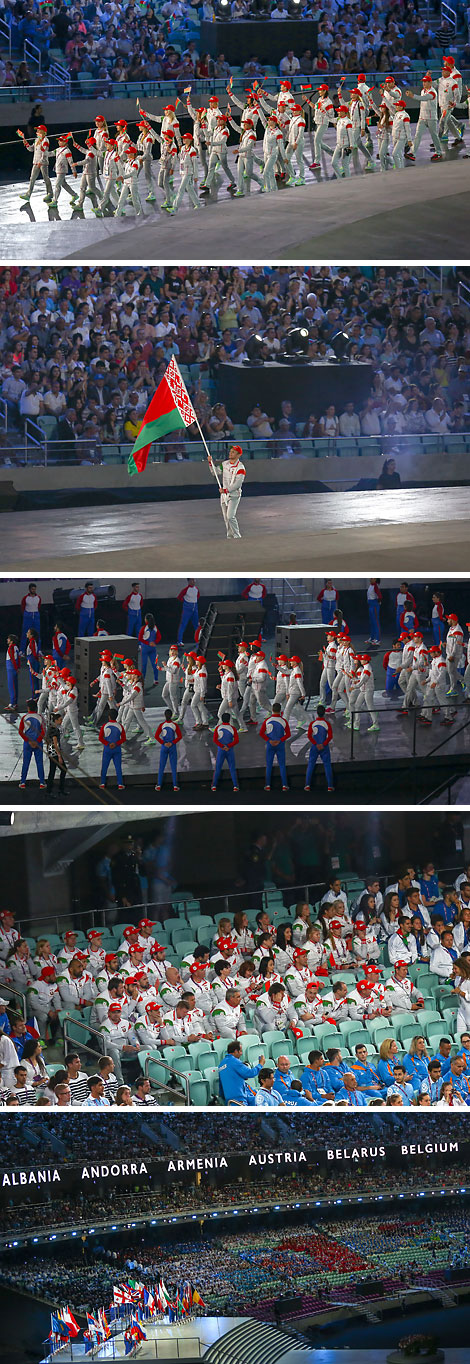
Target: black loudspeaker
(87, 662)
(369, 1286)
(290, 1302)
(306, 641)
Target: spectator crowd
(82, 351)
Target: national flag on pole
(197, 1299)
(137, 1330)
(149, 1301)
(103, 1322)
(164, 1294)
(72, 1325)
(170, 408)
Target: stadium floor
(425, 529)
(421, 212)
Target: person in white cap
(295, 691)
(427, 121)
(130, 183)
(324, 114)
(233, 477)
(198, 704)
(64, 163)
(341, 154)
(41, 152)
(401, 134)
(454, 652)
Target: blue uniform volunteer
(225, 737)
(133, 605)
(112, 735)
(30, 606)
(86, 605)
(168, 735)
(275, 730)
(189, 597)
(61, 648)
(13, 667)
(374, 598)
(149, 637)
(319, 735)
(32, 731)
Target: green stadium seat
(279, 1048)
(205, 935)
(219, 1045)
(358, 1035)
(347, 1026)
(406, 1030)
(199, 1091)
(304, 1045)
(172, 923)
(253, 1053)
(427, 1016)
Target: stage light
(8, 817)
(53, 1238)
(35, 1238)
(295, 346)
(74, 1233)
(152, 1224)
(235, 1212)
(254, 348)
(113, 1228)
(14, 1243)
(340, 342)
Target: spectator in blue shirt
(335, 1069)
(401, 1085)
(432, 1083)
(234, 1076)
(314, 1079)
(443, 1055)
(416, 1061)
(429, 885)
(350, 1093)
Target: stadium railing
(87, 86)
(37, 448)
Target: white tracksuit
(418, 676)
(241, 669)
(259, 696)
(406, 666)
(171, 690)
(296, 144)
(399, 950)
(454, 653)
(273, 143)
(427, 121)
(198, 705)
(229, 701)
(343, 664)
(111, 173)
(88, 178)
(340, 159)
(282, 680)
(144, 144)
(295, 693)
(328, 670)
(129, 190)
(71, 714)
(188, 167)
(233, 476)
(450, 93)
(200, 136)
(42, 997)
(436, 687)
(218, 156)
(401, 135)
(40, 150)
(135, 709)
(399, 995)
(246, 160)
(188, 692)
(324, 114)
(107, 683)
(63, 164)
(357, 117)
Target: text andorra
(52, 1176)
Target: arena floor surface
(420, 213)
(402, 531)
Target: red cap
(452, 617)
(109, 956)
(147, 923)
(364, 987)
(130, 931)
(153, 1007)
(94, 933)
(197, 966)
(157, 947)
(300, 952)
(336, 923)
(80, 956)
(114, 1008)
(224, 944)
(69, 934)
(47, 972)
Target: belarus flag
(170, 408)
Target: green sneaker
(239, 194)
(150, 198)
(47, 199)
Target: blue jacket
(233, 1076)
(354, 1098)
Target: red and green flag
(170, 408)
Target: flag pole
(209, 456)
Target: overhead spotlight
(340, 342)
(296, 346)
(254, 349)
